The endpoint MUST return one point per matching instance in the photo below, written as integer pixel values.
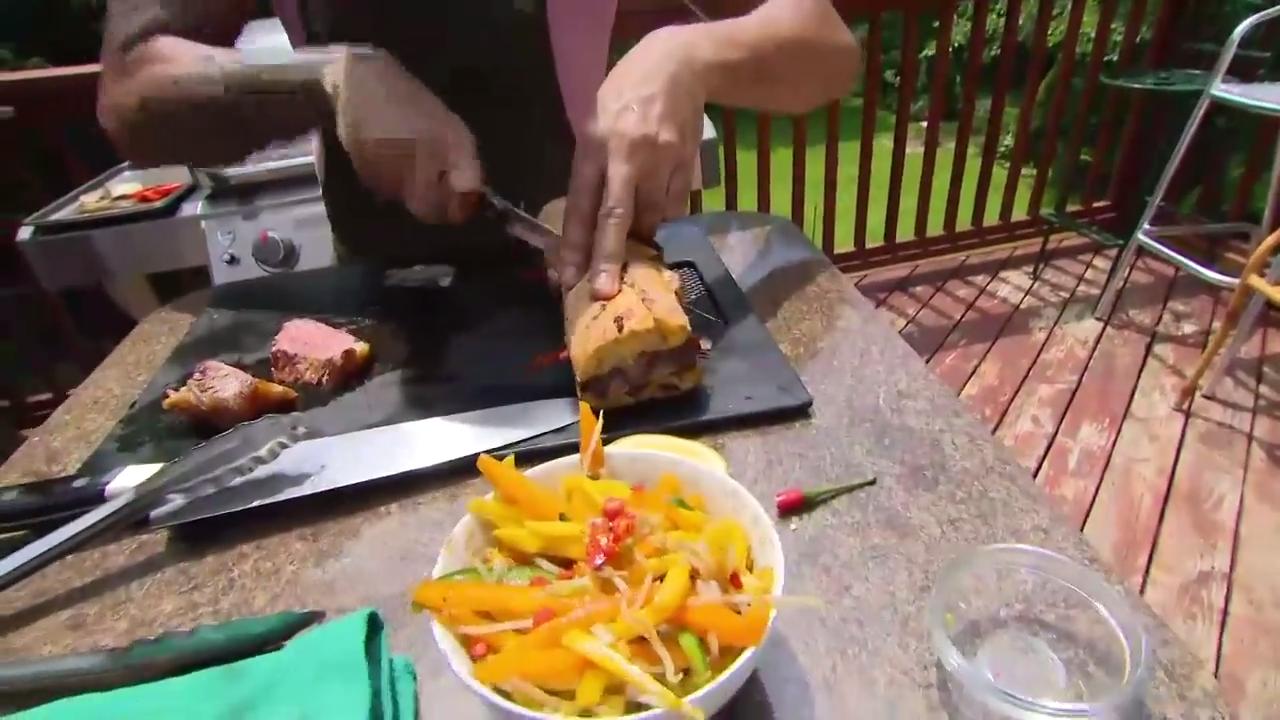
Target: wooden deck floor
(1185, 506)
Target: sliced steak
(221, 396)
(309, 352)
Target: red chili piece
(735, 580)
(794, 500)
(156, 192)
(624, 526)
(613, 508)
(601, 546)
(566, 574)
(478, 649)
(539, 581)
(546, 360)
(543, 616)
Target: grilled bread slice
(637, 346)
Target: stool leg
(1255, 305)
(1125, 260)
(1040, 256)
(1230, 323)
(1244, 330)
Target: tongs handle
(26, 561)
(237, 452)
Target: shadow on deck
(1184, 506)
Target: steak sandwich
(637, 346)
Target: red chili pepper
(543, 616)
(547, 359)
(601, 544)
(478, 649)
(624, 526)
(155, 192)
(613, 508)
(735, 580)
(794, 500)
(600, 550)
(539, 581)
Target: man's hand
(404, 143)
(633, 168)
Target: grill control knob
(273, 252)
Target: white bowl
(723, 496)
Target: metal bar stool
(1256, 97)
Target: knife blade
(328, 463)
(519, 223)
(530, 229)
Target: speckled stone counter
(944, 485)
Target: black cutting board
(488, 338)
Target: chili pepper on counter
(794, 500)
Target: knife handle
(37, 503)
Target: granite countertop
(943, 485)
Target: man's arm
(167, 95)
(786, 56)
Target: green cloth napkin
(341, 669)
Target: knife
(519, 223)
(530, 229)
(363, 455)
(328, 463)
(43, 503)
(220, 460)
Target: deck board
(1184, 507)
(993, 385)
(1078, 456)
(931, 326)
(981, 324)
(1250, 660)
(907, 299)
(1187, 581)
(1132, 496)
(1032, 419)
(878, 285)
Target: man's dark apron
(490, 61)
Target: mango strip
(535, 501)
(495, 512)
(510, 601)
(552, 668)
(672, 593)
(590, 690)
(590, 442)
(730, 628)
(608, 659)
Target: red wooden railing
(897, 199)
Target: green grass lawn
(846, 192)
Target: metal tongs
(228, 456)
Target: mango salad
(600, 597)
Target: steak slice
(309, 352)
(221, 396)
